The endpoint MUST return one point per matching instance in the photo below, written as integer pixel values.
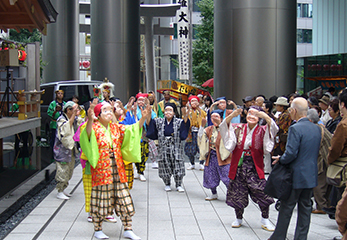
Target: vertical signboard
(183, 35)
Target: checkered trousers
(115, 196)
(87, 186)
(169, 165)
(144, 157)
(129, 172)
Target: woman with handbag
(248, 143)
(101, 141)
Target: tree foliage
(203, 45)
(25, 36)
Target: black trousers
(302, 197)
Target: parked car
(82, 89)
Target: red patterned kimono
(110, 191)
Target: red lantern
(80, 63)
(326, 67)
(314, 67)
(86, 64)
(22, 55)
(309, 67)
(333, 67)
(319, 67)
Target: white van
(82, 89)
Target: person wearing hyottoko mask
(197, 118)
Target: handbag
(336, 172)
(279, 182)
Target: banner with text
(183, 35)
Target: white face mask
(106, 112)
(169, 113)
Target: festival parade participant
(170, 132)
(101, 141)
(217, 157)
(195, 115)
(248, 143)
(65, 148)
(141, 102)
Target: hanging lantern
(22, 55)
(333, 67)
(86, 64)
(309, 67)
(326, 67)
(319, 67)
(80, 64)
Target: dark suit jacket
(301, 153)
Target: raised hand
(91, 114)
(130, 102)
(203, 122)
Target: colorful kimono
(247, 166)
(109, 182)
(64, 152)
(191, 147)
(170, 137)
(283, 122)
(217, 158)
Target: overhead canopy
(29, 14)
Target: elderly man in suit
(301, 154)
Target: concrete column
(115, 44)
(255, 48)
(151, 78)
(60, 46)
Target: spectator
(301, 154)
(322, 191)
(334, 113)
(324, 104)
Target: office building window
(304, 36)
(304, 10)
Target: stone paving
(159, 215)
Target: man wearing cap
(170, 132)
(166, 99)
(248, 101)
(248, 144)
(283, 122)
(196, 116)
(221, 103)
(101, 142)
(217, 157)
(54, 111)
(141, 102)
(64, 148)
(324, 104)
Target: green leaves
(203, 47)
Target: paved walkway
(159, 215)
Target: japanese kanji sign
(183, 35)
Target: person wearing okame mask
(101, 142)
(170, 132)
(196, 116)
(217, 157)
(248, 143)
